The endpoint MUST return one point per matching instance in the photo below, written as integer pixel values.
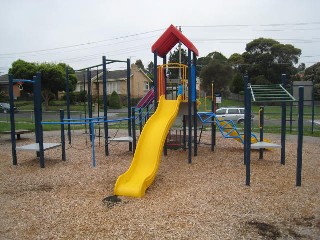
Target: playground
(236, 184)
(205, 199)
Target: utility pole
(179, 56)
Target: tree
(139, 64)
(150, 70)
(301, 67)
(237, 61)
(52, 81)
(24, 70)
(203, 61)
(115, 100)
(150, 67)
(174, 58)
(237, 85)
(313, 73)
(269, 58)
(218, 72)
(53, 77)
(218, 56)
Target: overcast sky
(80, 32)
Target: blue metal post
(147, 115)
(300, 137)
(164, 61)
(261, 126)
(63, 143)
(89, 97)
(129, 100)
(105, 107)
(213, 123)
(68, 103)
(84, 102)
(36, 102)
(194, 99)
(140, 119)
(312, 102)
(189, 109)
(184, 136)
(12, 122)
(213, 127)
(134, 138)
(155, 79)
(247, 133)
(291, 105)
(245, 79)
(38, 117)
(283, 125)
(93, 156)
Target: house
(4, 87)
(116, 81)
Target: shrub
(76, 97)
(115, 100)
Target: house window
(146, 86)
(113, 86)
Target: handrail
(147, 98)
(208, 119)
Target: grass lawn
(271, 112)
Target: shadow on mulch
(111, 201)
(265, 229)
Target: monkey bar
(270, 93)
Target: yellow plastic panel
(146, 160)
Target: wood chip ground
(207, 199)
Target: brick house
(116, 81)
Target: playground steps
(229, 130)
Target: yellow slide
(146, 160)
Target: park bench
(17, 132)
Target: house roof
(4, 78)
(145, 74)
(117, 74)
(111, 75)
(169, 39)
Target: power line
(310, 56)
(82, 44)
(81, 49)
(110, 53)
(252, 25)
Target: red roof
(169, 39)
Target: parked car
(235, 114)
(5, 107)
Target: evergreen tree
(115, 102)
